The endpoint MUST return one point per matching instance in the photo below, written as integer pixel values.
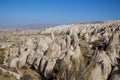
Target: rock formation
(88, 51)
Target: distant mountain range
(28, 26)
(43, 26)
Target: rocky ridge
(70, 52)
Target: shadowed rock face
(70, 52)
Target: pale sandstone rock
(49, 66)
(41, 49)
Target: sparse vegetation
(7, 76)
(61, 53)
(2, 52)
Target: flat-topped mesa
(79, 51)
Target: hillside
(85, 51)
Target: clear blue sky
(57, 11)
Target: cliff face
(69, 52)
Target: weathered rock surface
(70, 52)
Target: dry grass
(2, 52)
(7, 76)
(31, 74)
(62, 72)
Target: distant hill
(28, 26)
